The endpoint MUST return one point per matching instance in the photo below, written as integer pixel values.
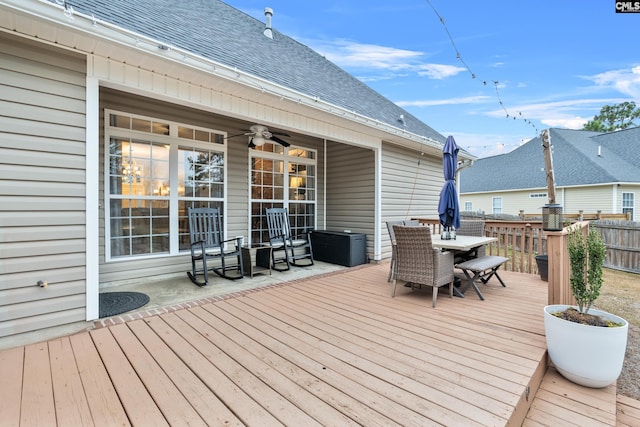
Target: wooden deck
(331, 350)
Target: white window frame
(629, 204)
(495, 209)
(468, 206)
(174, 143)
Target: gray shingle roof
(575, 162)
(217, 31)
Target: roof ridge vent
(268, 13)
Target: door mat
(112, 303)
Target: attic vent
(268, 13)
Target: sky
(493, 74)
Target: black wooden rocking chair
(207, 244)
(293, 248)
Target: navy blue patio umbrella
(448, 208)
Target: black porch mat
(112, 303)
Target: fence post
(558, 276)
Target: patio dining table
(461, 243)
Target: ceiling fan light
(258, 141)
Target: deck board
(333, 350)
(38, 407)
(165, 394)
(627, 411)
(138, 404)
(203, 400)
(11, 372)
(185, 341)
(104, 403)
(72, 408)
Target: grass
(620, 295)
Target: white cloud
(369, 56)
(349, 54)
(625, 81)
(566, 122)
(570, 113)
(447, 101)
(438, 71)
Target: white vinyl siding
(589, 199)
(411, 185)
(351, 190)
(42, 187)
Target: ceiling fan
(259, 134)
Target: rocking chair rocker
(207, 244)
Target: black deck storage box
(339, 247)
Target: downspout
(463, 165)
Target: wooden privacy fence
(622, 239)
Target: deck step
(628, 411)
(561, 402)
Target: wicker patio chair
(392, 238)
(390, 224)
(419, 263)
(470, 227)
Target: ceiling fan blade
(279, 141)
(251, 144)
(240, 134)
(281, 134)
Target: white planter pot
(591, 356)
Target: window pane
(118, 121)
(198, 169)
(141, 125)
(184, 132)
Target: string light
(473, 75)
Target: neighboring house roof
(217, 31)
(579, 158)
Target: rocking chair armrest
(238, 241)
(304, 235)
(281, 237)
(198, 243)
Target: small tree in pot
(587, 346)
(586, 258)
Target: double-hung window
(628, 204)
(282, 177)
(154, 171)
(496, 205)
